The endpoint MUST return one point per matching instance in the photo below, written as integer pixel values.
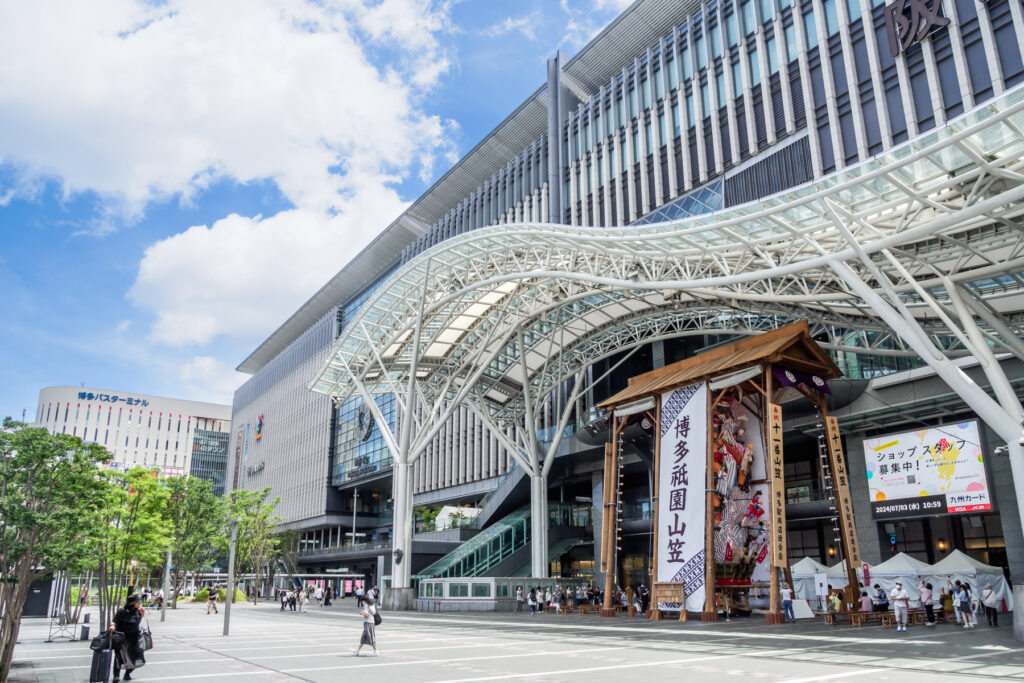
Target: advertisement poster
(681, 505)
(930, 471)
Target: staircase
(495, 548)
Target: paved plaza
(267, 645)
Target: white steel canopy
(897, 255)
(938, 212)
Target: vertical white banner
(681, 481)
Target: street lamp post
(231, 577)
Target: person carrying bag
(126, 622)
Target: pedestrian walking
(126, 621)
(319, 596)
(787, 603)
(520, 598)
(328, 596)
(900, 600)
(927, 598)
(302, 597)
(532, 599)
(369, 613)
(283, 595)
(991, 603)
(211, 600)
(291, 600)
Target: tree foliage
(195, 518)
(50, 490)
(257, 544)
(130, 533)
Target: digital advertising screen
(930, 471)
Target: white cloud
(523, 25)
(208, 378)
(243, 276)
(616, 5)
(139, 101)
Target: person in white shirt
(901, 604)
(368, 611)
(787, 603)
(991, 603)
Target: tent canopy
(807, 567)
(959, 566)
(901, 564)
(960, 562)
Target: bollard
(84, 633)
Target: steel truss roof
(521, 306)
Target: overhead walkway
(500, 542)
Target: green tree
(195, 518)
(257, 544)
(49, 487)
(131, 535)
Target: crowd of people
(540, 599)
(956, 598)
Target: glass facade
(210, 457)
(360, 449)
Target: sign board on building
(909, 21)
(931, 471)
(681, 481)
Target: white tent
(803, 577)
(905, 569)
(959, 566)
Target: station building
(698, 172)
(172, 435)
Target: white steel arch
(918, 251)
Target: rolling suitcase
(102, 663)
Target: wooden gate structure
(717, 420)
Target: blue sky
(177, 177)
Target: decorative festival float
(719, 496)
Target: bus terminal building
(698, 174)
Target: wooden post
(611, 534)
(656, 504)
(844, 505)
(773, 442)
(709, 613)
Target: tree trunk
(12, 622)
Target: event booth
(959, 566)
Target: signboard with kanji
(778, 490)
(841, 480)
(682, 503)
(931, 471)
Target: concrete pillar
(539, 525)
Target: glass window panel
(716, 42)
(737, 79)
(812, 34)
(481, 590)
(687, 64)
(622, 111)
(853, 7)
(721, 89)
(659, 89)
(586, 135)
(673, 75)
(773, 55)
(730, 29)
(706, 99)
(647, 138)
(755, 69)
(689, 109)
(675, 119)
(702, 57)
(783, 4)
(791, 42)
(749, 25)
(632, 103)
(661, 128)
(831, 17)
(766, 10)
(647, 94)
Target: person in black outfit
(127, 621)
